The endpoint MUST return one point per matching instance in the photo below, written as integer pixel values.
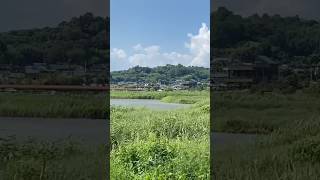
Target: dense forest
(164, 74)
(288, 40)
(82, 40)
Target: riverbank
(243, 112)
(53, 105)
(46, 148)
(60, 159)
(182, 97)
(81, 105)
(277, 118)
(170, 138)
(149, 144)
(289, 147)
(38, 140)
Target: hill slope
(289, 40)
(81, 40)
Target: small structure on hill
(235, 74)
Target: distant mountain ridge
(163, 74)
(287, 40)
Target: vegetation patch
(289, 146)
(162, 158)
(48, 160)
(148, 144)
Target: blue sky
(158, 29)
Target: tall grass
(47, 160)
(161, 158)
(290, 146)
(257, 113)
(51, 160)
(287, 153)
(148, 144)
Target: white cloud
(200, 47)
(151, 56)
(118, 54)
(138, 47)
(118, 59)
(152, 49)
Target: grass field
(150, 144)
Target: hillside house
(242, 75)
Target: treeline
(288, 40)
(164, 74)
(82, 40)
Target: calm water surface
(148, 103)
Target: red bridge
(54, 88)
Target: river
(218, 139)
(147, 103)
(94, 130)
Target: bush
(161, 158)
(307, 150)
